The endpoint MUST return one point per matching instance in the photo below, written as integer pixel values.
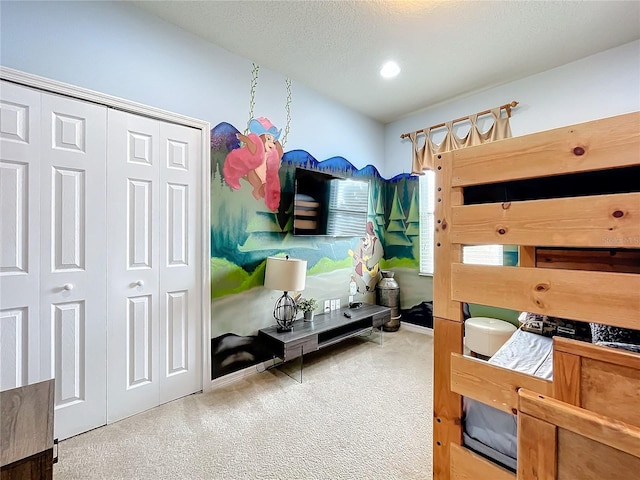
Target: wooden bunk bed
(579, 260)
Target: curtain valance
(423, 154)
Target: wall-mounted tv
(325, 204)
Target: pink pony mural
(257, 161)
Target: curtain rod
(506, 106)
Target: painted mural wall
(252, 192)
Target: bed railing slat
(537, 449)
(600, 297)
(490, 384)
(566, 377)
(599, 379)
(604, 260)
(447, 405)
(466, 465)
(596, 145)
(597, 427)
(611, 390)
(607, 221)
(582, 458)
(597, 352)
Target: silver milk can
(388, 295)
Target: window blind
(348, 208)
(426, 192)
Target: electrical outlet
(333, 304)
(327, 306)
(337, 304)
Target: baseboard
(417, 328)
(234, 377)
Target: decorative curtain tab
(423, 155)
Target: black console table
(326, 329)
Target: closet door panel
(69, 347)
(180, 311)
(14, 347)
(20, 146)
(73, 260)
(133, 285)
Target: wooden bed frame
(585, 423)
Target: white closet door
(133, 281)
(73, 260)
(154, 325)
(180, 262)
(100, 258)
(19, 236)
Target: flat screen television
(324, 204)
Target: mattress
(490, 431)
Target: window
(476, 254)
(482, 255)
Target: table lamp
(289, 275)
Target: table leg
(374, 335)
(290, 368)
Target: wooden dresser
(26, 432)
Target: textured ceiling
(446, 49)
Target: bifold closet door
(53, 322)
(100, 256)
(154, 321)
(180, 262)
(133, 282)
(19, 236)
(73, 260)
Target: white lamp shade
(286, 274)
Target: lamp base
(284, 312)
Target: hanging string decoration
(288, 110)
(252, 94)
(258, 157)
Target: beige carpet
(363, 411)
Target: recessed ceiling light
(390, 70)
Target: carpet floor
(363, 411)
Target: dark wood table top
(324, 322)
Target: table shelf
(326, 329)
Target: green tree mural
(380, 210)
(264, 231)
(374, 194)
(396, 230)
(289, 225)
(413, 223)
